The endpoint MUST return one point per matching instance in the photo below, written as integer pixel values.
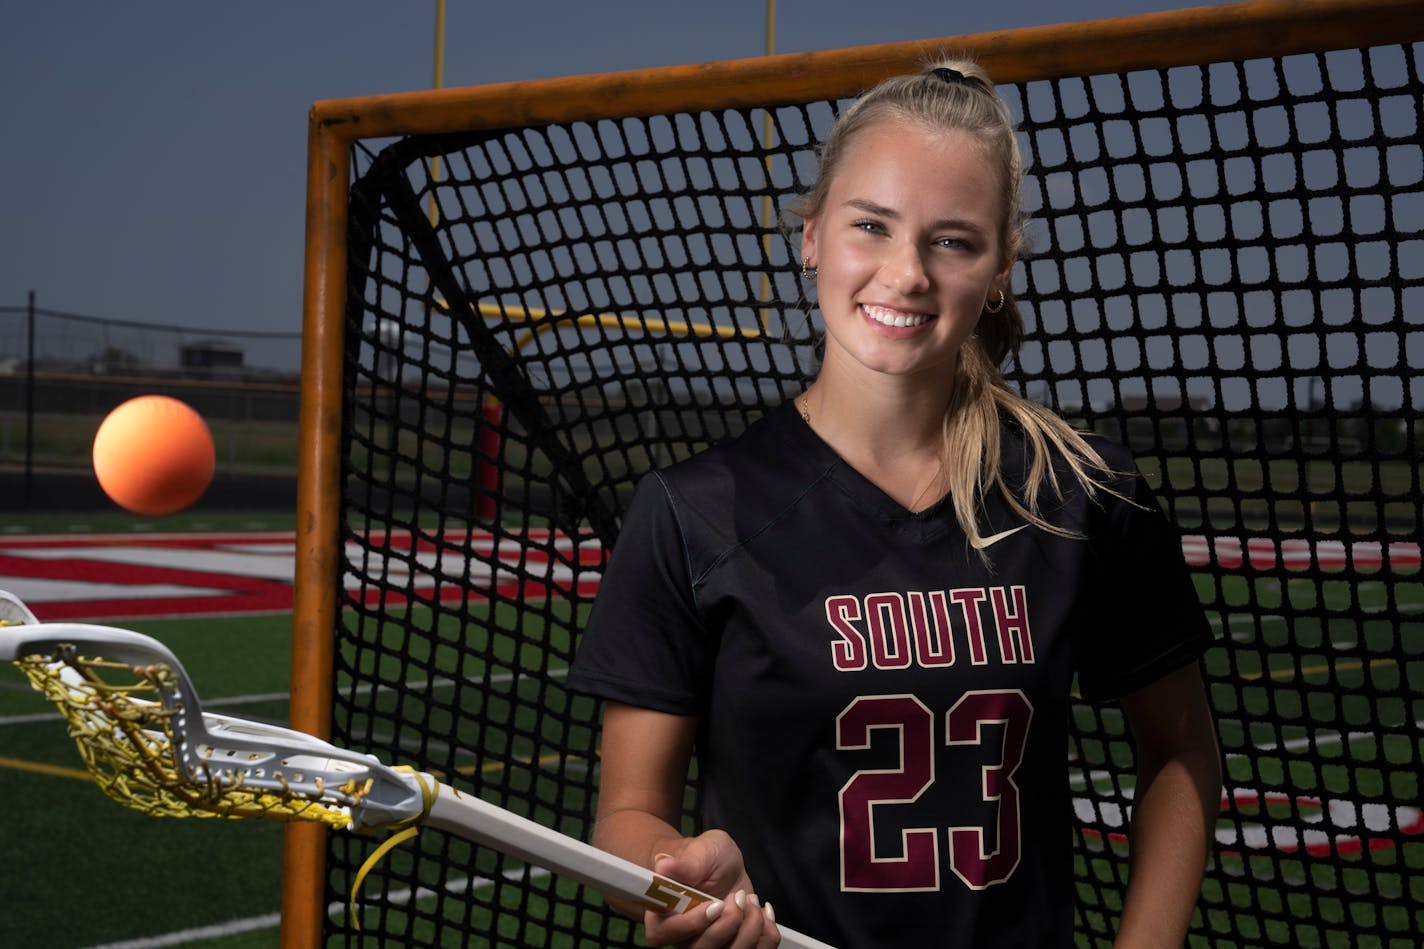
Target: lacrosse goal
(520, 297)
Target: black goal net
(1227, 274)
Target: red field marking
(105, 577)
(1265, 553)
(1273, 820)
(127, 576)
(1255, 823)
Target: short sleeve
(1143, 616)
(645, 643)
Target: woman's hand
(644, 774)
(713, 864)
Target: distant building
(211, 357)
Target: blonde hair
(957, 94)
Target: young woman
(866, 613)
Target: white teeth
(894, 317)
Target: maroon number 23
(917, 866)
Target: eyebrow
(951, 224)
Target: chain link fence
(61, 373)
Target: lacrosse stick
(136, 718)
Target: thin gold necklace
(805, 405)
(935, 478)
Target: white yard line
(232, 927)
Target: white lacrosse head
(13, 612)
(136, 717)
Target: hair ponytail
(957, 94)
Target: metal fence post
(29, 399)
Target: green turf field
(1319, 719)
(1336, 660)
(83, 871)
(216, 883)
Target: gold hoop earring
(807, 270)
(993, 310)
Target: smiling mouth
(887, 316)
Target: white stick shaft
(481, 822)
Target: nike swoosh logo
(984, 543)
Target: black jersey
(883, 714)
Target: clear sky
(152, 152)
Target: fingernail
(659, 856)
(754, 900)
(714, 909)
(770, 913)
(741, 899)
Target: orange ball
(154, 455)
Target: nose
(904, 269)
